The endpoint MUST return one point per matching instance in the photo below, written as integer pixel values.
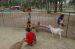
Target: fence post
(3, 18)
(68, 24)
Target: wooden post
(3, 18)
(68, 24)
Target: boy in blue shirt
(60, 20)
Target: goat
(55, 30)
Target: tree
(14, 2)
(72, 2)
(45, 4)
(56, 5)
(7, 3)
(4, 3)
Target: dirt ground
(9, 38)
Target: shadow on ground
(23, 46)
(15, 46)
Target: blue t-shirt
(59, 18)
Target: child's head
(62, 15)
(28, 29)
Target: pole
(3, 19)
(68, 24)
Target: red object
(30, 37)
(29, 9)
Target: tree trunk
(61, 7)
(8, 2)
(55, 6)
(74, 7)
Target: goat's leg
(52, 34)
(60, 35)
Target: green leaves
(14, 2)
(8, 3)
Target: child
(28, 23)
(30, 38)
(29, 9)
(60, 20)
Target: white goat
(56, 30)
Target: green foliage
(42, 4)
(10, 3)
(72, 2)
(14, 2)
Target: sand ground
(9, 37)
